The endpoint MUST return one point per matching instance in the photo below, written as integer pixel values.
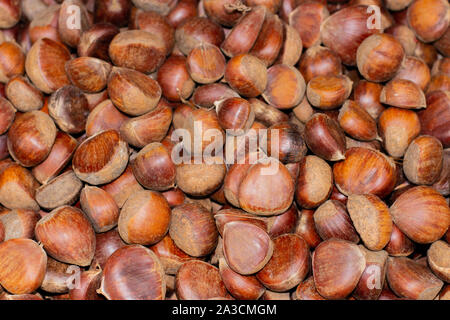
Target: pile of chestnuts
(345, 102)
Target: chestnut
(89, 74)
(150, 127)
(137, 49)
(426, 52)
(57, 277)
(403, 93)
(325, 138)
(319, 61)
(285, 86)
(101, 158)
(200, 179)
(144, 218)
(198, 280)
(398, 127)
(270, 39)
(422, 214)
(205, 64)
(100, 207)
(247, 248)
(225, 216)
(437, 256)
(13, 61)
(60, 154)
(307, 291)
(133, 272)
(412, 280)
(372, 280)
(171, 257)
(379, 57)
(23, 95)
(315, 182)
(45, 65)
(306, 228)
(69, 108)
(17, 187)
(415, 70)
(195, 31)
(292, 46)
(284, 223)
(11, 11)
(367, 95)
(174, 78)
(123, 187)
(8, 114)
(193, 229)
(247, 75)
(399, 244)
(205, 96)
(254, 191)
(104, 116)
(105, 245)
(69, 34)
(61, 190)
(153, 167)
(443, 44)
(18, 223)
(267, 114)
(307, 19)
(161, 7)
(133, 92)
(235, 115)
(371, 219)
(405, 36)
(89, 282)
(111, 11)
(95, 41)
(436, 117)
(337, 267)
(429, 19)
(365, 171)
(357, 122)
(225, 12)
(31, 137)
(344, 30)
(183, 10)
(67, 236)
(23, 264)
(423, 160)
(332, 221)
(241, 287)
(329, 91)
(285, 142)
(244, 34)
(289, 264)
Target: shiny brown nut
(95, 41)
(329, 91)
(435, 118)
(133, 273)
(89, 74)
(133, 92)
(415, 70)
(366, 165)
(67, 236)
(123, 187)
(69, 108)
(372, 281)
(399, 244)
(69, 30)
(171, 257)
(13, 61)
(193, 229)
(138, 50)
(319, 61)
(144, 218)
(198, 280)
(205, 63)
(289, 264)
(174, 79)
(104, 116)
(31, 137)
(7, 113)
(247, 248)
(292, 46)
(23, 265)
(357, 122)
(100, 207)
(398, 127)
(306, 19)
(429, 19)
(106, 244)
(270, 40)
(337, 267)
(45, 65)
(403, 93)
(101, 158)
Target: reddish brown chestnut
(100, 207)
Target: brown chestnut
(403, 93)
(329, 91)
(174, 78)
(429, 19)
